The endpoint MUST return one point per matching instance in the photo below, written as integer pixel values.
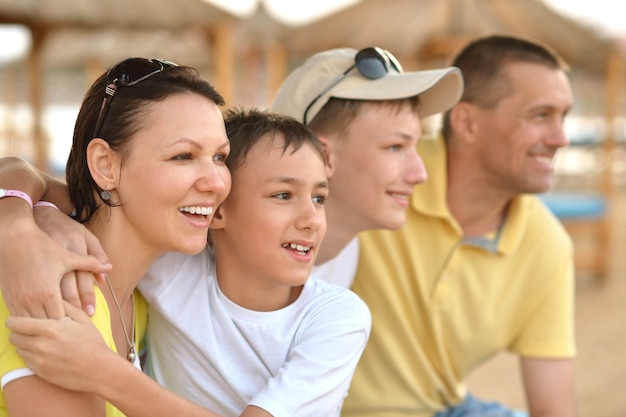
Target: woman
(146, 170)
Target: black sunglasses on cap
(125, 74)
(373, 63)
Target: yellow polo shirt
(10, 360)
(441, 306)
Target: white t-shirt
(296, 361)
(342, 268)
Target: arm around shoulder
(33, 264)
(18, 174)
(49, 347)
(19, 234)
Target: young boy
(256, 334)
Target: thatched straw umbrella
(44, 17)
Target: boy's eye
(319, 199)
(395, 148)
(282, 196)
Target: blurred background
(51, 51)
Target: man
(479, 266)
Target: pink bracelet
(45, 204)
(18, 194)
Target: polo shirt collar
(430, 199)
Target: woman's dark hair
(123, 119)
(245, 128)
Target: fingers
(69, 293)
(35, 286)
(85, 286)
(76, 285)
(25, 347)
(25, 309)
(78, 289)
(25, 327)
(89, 263)
(26, 330)
(34, 298)
(76, 313)
(31, 286)
(33, 340)
(52, 309)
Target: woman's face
(174, 175)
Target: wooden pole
(613, 88)
(276, 65)
(223, 60)
(35, 82)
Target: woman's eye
(182, 157)
(220, 157)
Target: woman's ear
(329, 154)
(103, 164)
(218, 221)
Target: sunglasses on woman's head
(125, 74)
(373, 63)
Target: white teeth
(205, 211)
(400, 196)
(544, 159)
(296, 247)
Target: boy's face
(270, 227)
(374, 168)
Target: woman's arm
(33, 264)
(55, 350)
(49, 348)
(32, 396)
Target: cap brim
(438, 89)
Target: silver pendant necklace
(131, 344)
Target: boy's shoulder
(322, 287)
(334, 300)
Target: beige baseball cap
(438, 89)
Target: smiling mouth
(544, 159)
(197, 210)
(301, 250)
(399, 196)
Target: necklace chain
(131, 344)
